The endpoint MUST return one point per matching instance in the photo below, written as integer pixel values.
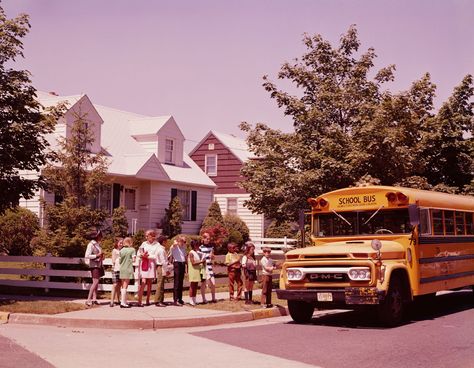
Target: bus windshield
(380, 221)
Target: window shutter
(116, 195)
(174, 192)
(193, 205)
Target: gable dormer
(82, 109)
(161, 136)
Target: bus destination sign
(357, 200)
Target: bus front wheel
(300, 312)
(391, 311)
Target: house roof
(49, 99)
(126, 155)
(236, 145)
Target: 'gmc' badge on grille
(327, 276)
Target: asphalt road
(442, 336)
(13, 356)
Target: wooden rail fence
(51, 272)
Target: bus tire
(300, 312)
(392, 310)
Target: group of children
(246, 265)
(155, 262)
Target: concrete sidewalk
(148, 317)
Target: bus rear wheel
(300, 312)
(392, 310)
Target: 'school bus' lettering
(380, 246)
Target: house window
(232, 206)
(188, 200)
(169, 151)
(184, 198)
(211, 165)
(103, 200)
(130, 199)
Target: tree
(448, 143)
(75, 172)
(75, 175)
(213, 217)
(119, 222)
(348, 129)
(280, 230)
(22, 124)
(17, 228)
(173, 218)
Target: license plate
(324, 297)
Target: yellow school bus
(382, 247)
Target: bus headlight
(359, 274)
(294, 274)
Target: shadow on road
(442, 305)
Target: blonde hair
(127, 242)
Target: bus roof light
(391, 196)
(312, 202)
(323, 203)
(402, 198)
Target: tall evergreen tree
(214, 216)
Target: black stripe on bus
(445, 239)
(446, 277)
(445, 259)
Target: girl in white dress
(147, 253)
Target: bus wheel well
(391, 310)
(402, 276)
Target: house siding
(160, 197)
(228, 166)
(255, 222)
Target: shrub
(173, 219)
(237, 229)
(214, 216)
(280, 230)
(138, 238)
(119, 223)
(218, 234)
(17, 228)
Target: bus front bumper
(346, 296)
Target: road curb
(4, 317)
(143, 324)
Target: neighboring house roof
(126, 155)
(236, 145)
(50, 99)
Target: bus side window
(438, 228)
(469, 223)
(460, 225)
(449, 222)
(425, 223)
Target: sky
(202, 61)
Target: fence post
(48, 267)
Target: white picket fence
(36, 272)
(277, 245)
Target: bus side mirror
(301, 226)
(414, 214)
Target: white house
(148, 165)
(222, 156)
